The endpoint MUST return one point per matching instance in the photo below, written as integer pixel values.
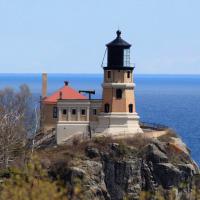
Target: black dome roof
(119, 41)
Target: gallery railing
(153, 126)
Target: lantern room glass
(126, 57)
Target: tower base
(118, 124)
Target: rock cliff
(134, 168)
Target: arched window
(118, 93)
(107, 108)
(128, 74)
(130, 107)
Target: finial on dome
(118, 33)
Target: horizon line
(60, 73)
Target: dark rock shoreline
(117, 170)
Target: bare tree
(14, 122)
(36, 125)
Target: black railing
(106, 65)
(153, 126)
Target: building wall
(119, 105)
(64, 117)
(95, 109)
(81, 108)
(67, 131)
(130, 99)
(69, 125)
(118, 76)
(108, 97)
(83, 117)
(91, 107)
(73, 117)
(47, 120)
(118, 80)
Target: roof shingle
(67, 93)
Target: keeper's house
(71, 113)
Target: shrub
(31, 183)
(138, 141)
(168, 136)
(76, 141)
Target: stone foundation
(68, 130)
(118, 124)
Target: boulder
(160, 145)
(77, 173)
(92, 152)
(154, 154)
(167, 175)
(187, 169)
(114, 146)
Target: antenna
(104, 57)
(89, 92)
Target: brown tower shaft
(118, 91)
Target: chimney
(44, 85)
(60, 94)
(66, 83)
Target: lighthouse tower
(118, 116)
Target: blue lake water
(172, 100)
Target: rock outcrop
(117, 170)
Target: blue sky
(69, 36)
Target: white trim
(118, 85)
(118, 114)
(78, 114)
(72, 122)
(73, 103)
(69, 114)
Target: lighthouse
(118, 115)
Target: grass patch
(138, 141)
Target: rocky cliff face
(133, 169)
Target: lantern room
(118, 53)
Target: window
(130, 107)
(73, 111)
(118, 93)
(128, 74)
(55, 112)
(107, 108)
(83, 112)
(94, 111)
(126, 57)
(64, 112)
(109, 74)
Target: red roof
(67, 93)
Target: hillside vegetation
(103, 168)
(137, 168)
